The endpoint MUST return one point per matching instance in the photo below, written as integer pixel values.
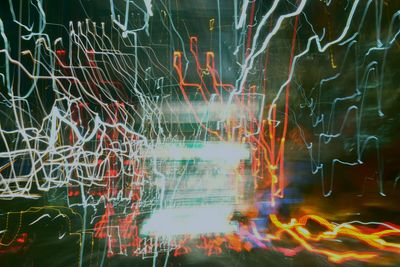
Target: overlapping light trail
(93, 122)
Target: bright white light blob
(190, 220)
(225, 153)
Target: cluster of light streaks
(142, 140)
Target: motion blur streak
(199, 132)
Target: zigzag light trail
(180, 132)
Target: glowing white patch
(228, 153)
(189, 220)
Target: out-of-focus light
(190, 220)
(229, 153)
